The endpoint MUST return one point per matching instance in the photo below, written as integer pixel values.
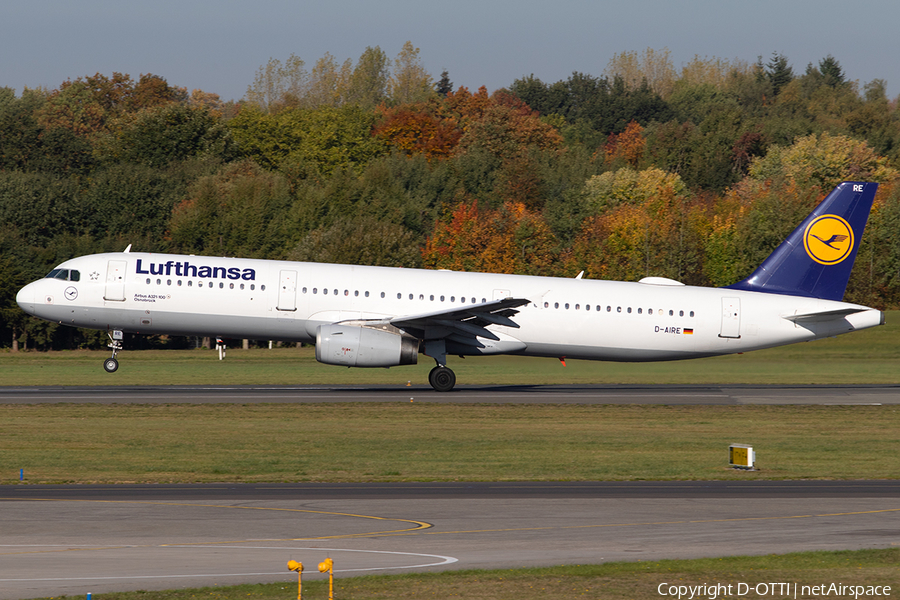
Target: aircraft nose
(25, 298)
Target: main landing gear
(442, 379)
(115, 342)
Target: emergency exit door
(287, 291)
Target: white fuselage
(574, 318)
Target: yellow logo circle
(828, 239)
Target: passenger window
(671, 313)
(442, 298)
(367, 294)
(315, 290)
(421, 296)
(546, 305)
(356, 293)
(230, 286)
(252, 286)
(649, 311)
(169, 282)
(556, 305)
(221, 286)
(567, 306)
(179, 283)
(159, 282)
(692, 313)
(190, 283)
(262, 288)
(325, 291)
(431, 297)
(618, 309)
(629, 310)
(586, 307)
(148, 281)
(398, 296)
(680, 313)
(346, 292)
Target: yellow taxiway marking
(419, 529)
(418, 525)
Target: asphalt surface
(542, 394)
(78, 539)
(71, 540)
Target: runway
(525, 394)
(76, 539)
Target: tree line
(694, 174)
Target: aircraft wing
(462, 324)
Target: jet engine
(353, 346)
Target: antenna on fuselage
(128, 249)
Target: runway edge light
(742, 456)
(293, 565)
(328, 565)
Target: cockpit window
(64, 275)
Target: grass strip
(378, 442)
(632, 580)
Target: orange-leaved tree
(510, 239)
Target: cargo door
(115, 281)
(731, 318)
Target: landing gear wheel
(110, 365)
(442, 379)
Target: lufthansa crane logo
(828, 239)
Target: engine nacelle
(352, 346)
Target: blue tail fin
(816, 259)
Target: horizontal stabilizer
(825, 315)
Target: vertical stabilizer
(816, 259)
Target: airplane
(362, 316)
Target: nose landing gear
(115, 342)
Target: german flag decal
(688, 331)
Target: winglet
(816, 259)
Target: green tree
(832, 72)
(822, 161)
(360, 240)
(174, 132)
(410, 82)
(314, 141)
(370, 80)
(778, 72)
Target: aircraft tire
(110, 365)
(442, 379)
